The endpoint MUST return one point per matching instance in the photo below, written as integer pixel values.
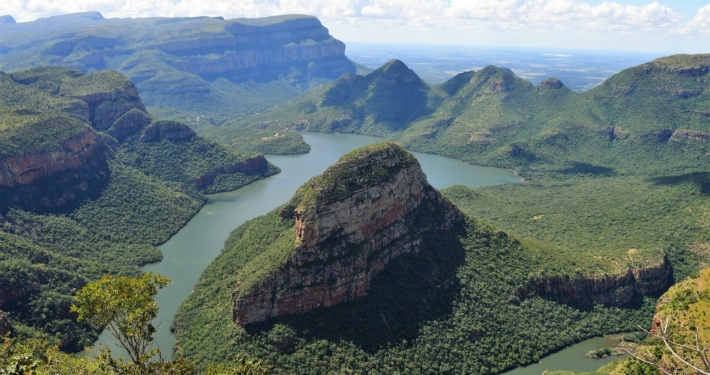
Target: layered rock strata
(615, 290)
(81, 150)
(349, 223)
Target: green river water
(189, 252)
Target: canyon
(200, 66)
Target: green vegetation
(453, 307)
(604, 223)
(114, 234)
(648, 119)
(126, 307)
(191, 70)
(257, 140)
(104, 216)
(352, 172)
(197, 162)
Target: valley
(321, 216)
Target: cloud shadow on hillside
(700, 179)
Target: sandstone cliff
(349, 223)
(78, 151)
(616, 290)
(170, 57)
(52, 153)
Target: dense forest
(90, 184)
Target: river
(194, 247)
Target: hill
(200, 70)
(368, 269)
(646, 119)
(74, 201)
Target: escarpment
(349, 223)
(616, 290)
(51, 152)
(81, 150)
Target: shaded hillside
(74, 201)
(370, 270)
(197, 70)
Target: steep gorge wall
(253, 50)
(344, 238)
(615, 290)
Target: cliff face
(616, 290)
(347, 230)
(78, 151)
(104, 108)
(57, 156)
(253, 49)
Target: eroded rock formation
(349, 223)
(616, 290)
(83, 149)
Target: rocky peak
(551, 83)
(349, 223)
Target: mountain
(90, 184)
(368, 269)
(652, 117)
(200, 70)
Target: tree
(126, 307)
(679, 358)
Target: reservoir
(194, 247)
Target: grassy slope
(686, 304)
(186, 161)
(37, 108)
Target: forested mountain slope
(647, 117)
(90, 183)
(368, 269)
(201, 71)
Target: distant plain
(580, 70)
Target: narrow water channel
(572, 358)
(192, 249)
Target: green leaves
(126, 307)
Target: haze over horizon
(639, 25)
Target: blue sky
(680, 26)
